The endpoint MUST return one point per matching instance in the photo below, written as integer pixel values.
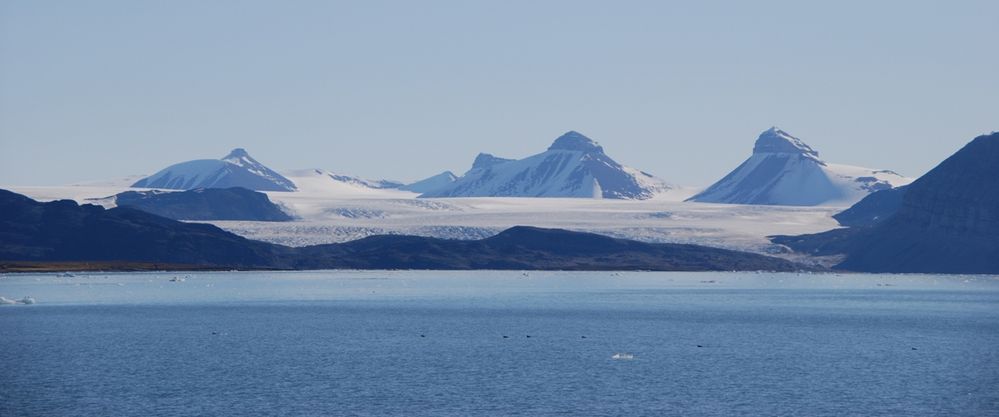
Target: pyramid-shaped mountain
(783, 170)
(573, 166)
(238, 169)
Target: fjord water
(499, 343)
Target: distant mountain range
(783, 170)
(237, 169)
(62, 231)
(947, 221)
(573, 166)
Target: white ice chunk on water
(8, 301)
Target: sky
(403, 90)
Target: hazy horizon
(107, 89)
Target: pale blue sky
(102, 89)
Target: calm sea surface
(499, 343)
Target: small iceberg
(8, 301)
(623, 357)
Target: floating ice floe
(8, 301)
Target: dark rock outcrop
(205, 204)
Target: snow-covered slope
(783, 170)
(574, 166)
(486, 160)
(237, 169)
(375, 184)
(433, 183)
(320, 183)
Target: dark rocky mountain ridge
(205, 204)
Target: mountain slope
(486, 160)
(875, 208)
(326, 184)
(205, 204)
(238, 169)
(783, 170)
(64, 231)
(948, 222)
(430, 184)
(573, 166)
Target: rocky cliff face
(205, 204)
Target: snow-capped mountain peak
(485, 160)
(237, 169)
(774, 140)
(237, 156)
(240, 157)
(573, 166)
(784, 170)
(575, 141)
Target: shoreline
(26, 267)
(101, 266)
